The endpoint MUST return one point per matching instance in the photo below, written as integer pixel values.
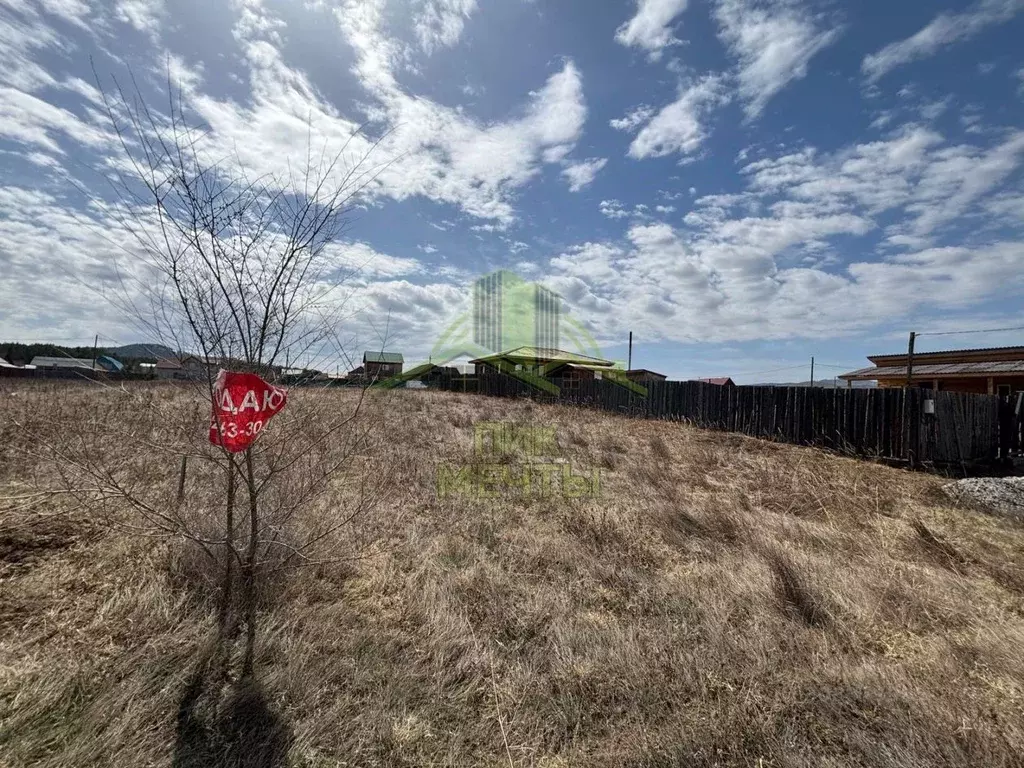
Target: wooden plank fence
(879, 423)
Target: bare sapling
(235, 269)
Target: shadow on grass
(233, 727)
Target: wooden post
(910, 357)
(812, 370)
(907, 415)
(629, 365)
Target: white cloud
(732, 285)
(760, 264)
(935, 220)
(72, 11)
(633, 119)
(773, 42)
(32, 121)
(945, 29)
(446, 155)
(581, 174)
(426, 149)
(593, 262)
(71, 268)
(914, 171)
(612, 209)
(1006, 209)
(679, 126)
(143, 15)
(20, 40)
(651, 27)
(957, 179)
(440, 22)
(360, 261)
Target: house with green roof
(553, 370)
(382, 365)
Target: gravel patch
(1002, 495)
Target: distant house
(423, 375)
(644, 376)
(60, 367)
(169, 369)
(9, 370)
(565, 369)
(110, 364)
(988, 370)
(553, 369)
(186, 368)
(65, 363)
(382, 365)
(103, 363)
(722, 381)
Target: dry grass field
(725, 601)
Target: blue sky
(741, 183)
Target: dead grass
(726, 601)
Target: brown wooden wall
(977, 385)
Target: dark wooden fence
(885, 423)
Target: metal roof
(383, 357)
(596, 367)
(61, 362)
(719, 380)
(546, 354)
(938, 370)
(1014, 350)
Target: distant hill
(823, 383)
(140, 351)
(16, 352)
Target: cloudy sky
(741, 183)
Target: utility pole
(907, 430)
(812, 370)
(95, 344)
(910, 357)
(629, 365)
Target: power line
(771, 370)
(980, 330)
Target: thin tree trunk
(250, 567)
(224, 632)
